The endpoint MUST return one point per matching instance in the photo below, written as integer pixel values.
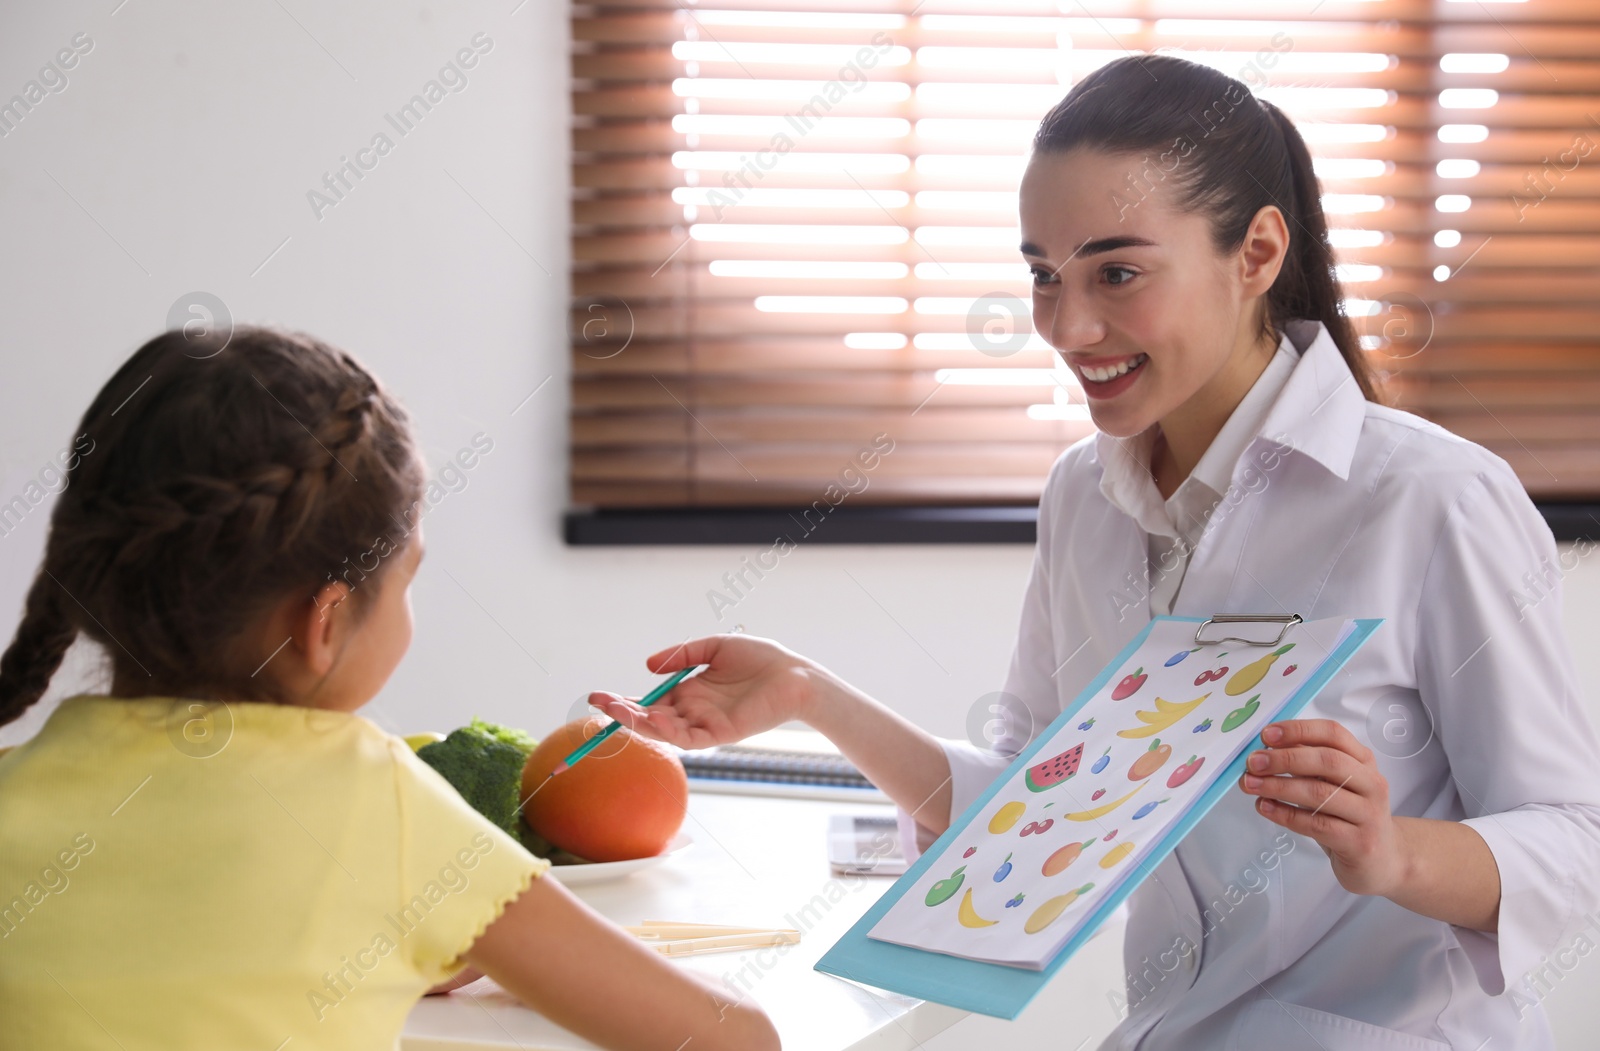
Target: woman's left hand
(1316, 779)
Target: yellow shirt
(180, 876)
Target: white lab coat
(1242, 938)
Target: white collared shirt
(1242, 938)
(1176, 524)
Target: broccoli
(507, 734)
(484, 763)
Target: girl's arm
(753, 684)
(576, 968)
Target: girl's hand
(1334, 793)
(749, 685)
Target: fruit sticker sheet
(1076, 814)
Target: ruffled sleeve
(458, 871)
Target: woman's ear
(1266, 244)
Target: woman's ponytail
(1307, 286)
(43, 637)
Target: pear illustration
(1247, 677)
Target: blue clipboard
(1000, 990)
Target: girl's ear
(1266, 244)
(320, 627)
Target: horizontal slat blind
(794, 230)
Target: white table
(756, 861)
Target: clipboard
(1003, 990)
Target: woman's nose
(1073, 323)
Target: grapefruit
(624, 800)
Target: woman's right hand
(749, 685)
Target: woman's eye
(1113, 270)
(1041, 276)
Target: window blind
(795, 244)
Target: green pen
(644, 702)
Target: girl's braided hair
(224, 476)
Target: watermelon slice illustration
(1052, 772)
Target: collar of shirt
(1306, 399)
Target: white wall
(192, 133)
(178, 158)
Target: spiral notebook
(1090, 808)
(779, 762)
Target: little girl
(219, 852)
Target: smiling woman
(1204, 325)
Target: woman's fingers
(685, 654)
(653, 722)
(1316, 778)
(1329, 764)
(1328, 733)
(1311, 794)
(665, 721)
(1332, 833)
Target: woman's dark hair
(214, 478)
(1227, 155)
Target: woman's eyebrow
(1096, 246)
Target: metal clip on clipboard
(1285, 622)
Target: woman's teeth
(1102, 375)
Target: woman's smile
(1109, 377)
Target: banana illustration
(1102, 811)
(968, 917)
(1166, 713)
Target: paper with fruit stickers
(1074, 816)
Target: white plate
(601, 871)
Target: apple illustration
(1004, 870)
(945, 889)
(1241, 715)
(1184, 772)
(1129, 685)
